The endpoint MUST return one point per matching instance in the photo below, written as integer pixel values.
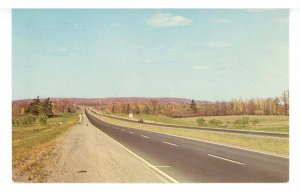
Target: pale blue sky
(199, 54)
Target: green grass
(31, 144)
(278, 146)
(266, 123)
(25, 137)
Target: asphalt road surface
(189, 160)
(271, 134)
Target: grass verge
(33, 145)
(272, 145)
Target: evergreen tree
(36, 107)
(193, 106)
(128, 109)
(47, 107)
(33, 107)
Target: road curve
(193, 161)
(270, 134)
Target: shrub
(24, 120)
(200, 121)
(28, 120)
(215, 122)
(243, 122)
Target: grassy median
(34, 144)
(273, 145)
(266, 123)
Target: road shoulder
(86, 154)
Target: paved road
(193, 161)
(271, 134)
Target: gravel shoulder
(86, 154)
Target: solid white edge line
(170, 143)
(204, 141)
(162, 166)
(226, 159)
(144, 161)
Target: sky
(202, 54)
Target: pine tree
(193, 106)
(33, 107)
(47, 107)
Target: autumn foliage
(171, 107)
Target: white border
(294, 95)
(149, 3)
(6, 185)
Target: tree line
(259, 106)
(253, 106)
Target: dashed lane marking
(170, 143)
(145, 136)
(226, 159)
(163, 166)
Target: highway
(244, 132)
(192, 161)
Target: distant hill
(97, 101)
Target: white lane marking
(163, 166)
(123, 129)
(131, 132)
(145, 136)
(170, 143)
(222, 158)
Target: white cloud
(115, 24)
(218, 44)
(200, 67)
(168, 20)
(281, 20)
(219, 20)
